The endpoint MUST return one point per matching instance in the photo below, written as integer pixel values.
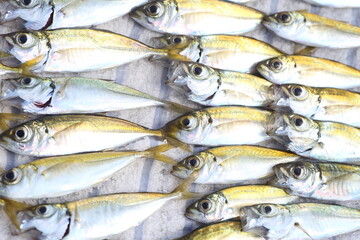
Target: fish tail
(5, 69)
(176, 142)
(156, 153)
(177, 107)
(182, 188)
(10, 117)
(172, 53)
(12, 208)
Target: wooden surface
(151, 176)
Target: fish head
(285, 24)
(26, 138)
(200, 162)
(36, 12)
(296, 132)
(212, 208)
(299, 177)
(272, 218)
(279, 70)
(26, 46)
(186, 46)
(9, 182)
(301, 99)
(196, 79)
(30, 89)
(190, 128)
(157, 15)
(49, 219)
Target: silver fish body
(73, 95)
(324, 181)
(231, 164)
(75, 50)
(211, 87)
(324, 104)
(46, 14)
(219, 126)
(234, 53)
(197, 17)
(313, 30)
(300, 221)
(93, 218)
(327, 141)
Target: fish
(226, 204)
(234, 53)
(313, 30)
(198, 17)
(6, 70)
(324, 181)
(232, 164)
(77, 50)
(300, 221)
(92, 218)
(213, 87)
(335, 3)
(72, 133)
(326, 141)
(324, 104)
(309, 71)
(59, 176)
(75, 95)
(219, 126)
(221, 231)
(45, 14)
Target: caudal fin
(4, 117)
(183, 187)
(171, 53)
(12, 208)
(177, 107)
(156, 153)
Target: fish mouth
(269, 21)
(180, 172)
(177, 74)
(7, 12)
(7, 90)
(281, 176)
(277, 128)
(263, 69)
(281, 97)
(136, 15)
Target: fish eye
(205, 205)
(154, 9)
(42, 210)
(298, 171)
(27, 82)
(188, 122)
(300, 123)
(176, 40)
(284, 17)
(26, 2)
(276, 64)
(199, 71)
(21, 133)
(10, 176)
(299, 92)
(267, 210)
(25, 40)
(193, 162)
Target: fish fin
(302, 229)
(156, 153)
(11, 208)
(307, 51)
(184, 185)
(303, 10)
(10, 117)
(177, 143)
(5, 55)
(63, 87)
(176, 107)
(70, 128)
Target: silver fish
(75, 95)
(212, 87)
(313, 30)
(326, 181)
(234, 53)
(300, 221)
(46, 14)
(327, 141)
(58, 176)
(197, 17)
(325, 104)
(231, 164)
